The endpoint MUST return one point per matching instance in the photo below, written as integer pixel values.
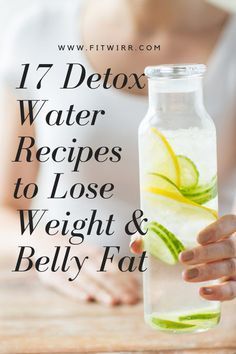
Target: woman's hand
(109, 288)
(215, 258)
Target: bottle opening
(175, 71)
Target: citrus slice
(156, 180)
(164, 159)
(188, 172)
(181, 199)
(182, 216)
(164, 324)
(203, 193)
(162, 244)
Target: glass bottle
(178, 185)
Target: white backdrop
(10, 10)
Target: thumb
(136, 244)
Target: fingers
(122, 291)
(222, 228)
(61, 284)
(211, 271)
(136, 244)
(221, 292)
(119, 288)
(217, 259)
(210, 252)
(97, 292)
(110, 288)
(105, 290)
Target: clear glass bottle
(178, 184)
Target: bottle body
(178, 185)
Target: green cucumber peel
(200, 316)
(167, 324)
(199, 194)
(202, 194)
(162, 244)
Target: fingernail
(136, 245)
(89, 298)
(192, 273)
(110, 301)
(187, 256)
(115, 302)
(207, 291)
(129, 300)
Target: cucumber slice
(162, 244)
(202, 194)
(185, 323)
(202, 320)
(163, 324)
(157, 180)
(189, 174)
(201, 316)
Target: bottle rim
(175, 71)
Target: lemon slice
(184, 217)
(156, 180)
(164, 159)
(188, 172)
(181, 199)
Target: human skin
(214, 258)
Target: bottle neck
(176, 95)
